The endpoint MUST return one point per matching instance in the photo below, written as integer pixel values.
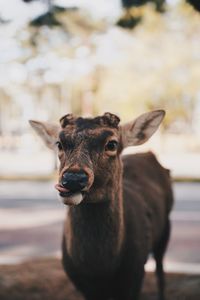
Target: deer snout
(74, 181)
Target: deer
(118, 205)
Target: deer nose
(74, 181)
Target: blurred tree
(133, 13)
(57, 61)
(195, 4)
(60, 66)
(159, 4)
(49, 18)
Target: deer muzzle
(73, 186)
(74, 181)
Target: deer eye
(59, 145)
(111, 146)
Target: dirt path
(45, 280)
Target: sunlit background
(80, 61)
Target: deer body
(116, 239)
(122, 216)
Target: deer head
(89, 151)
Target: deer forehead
(76, 136)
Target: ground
(45, 280)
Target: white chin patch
(74, 199)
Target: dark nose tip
(74, 181)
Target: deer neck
(95, 228)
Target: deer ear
(141, 129)
(47, 131)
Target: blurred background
(89, 57)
